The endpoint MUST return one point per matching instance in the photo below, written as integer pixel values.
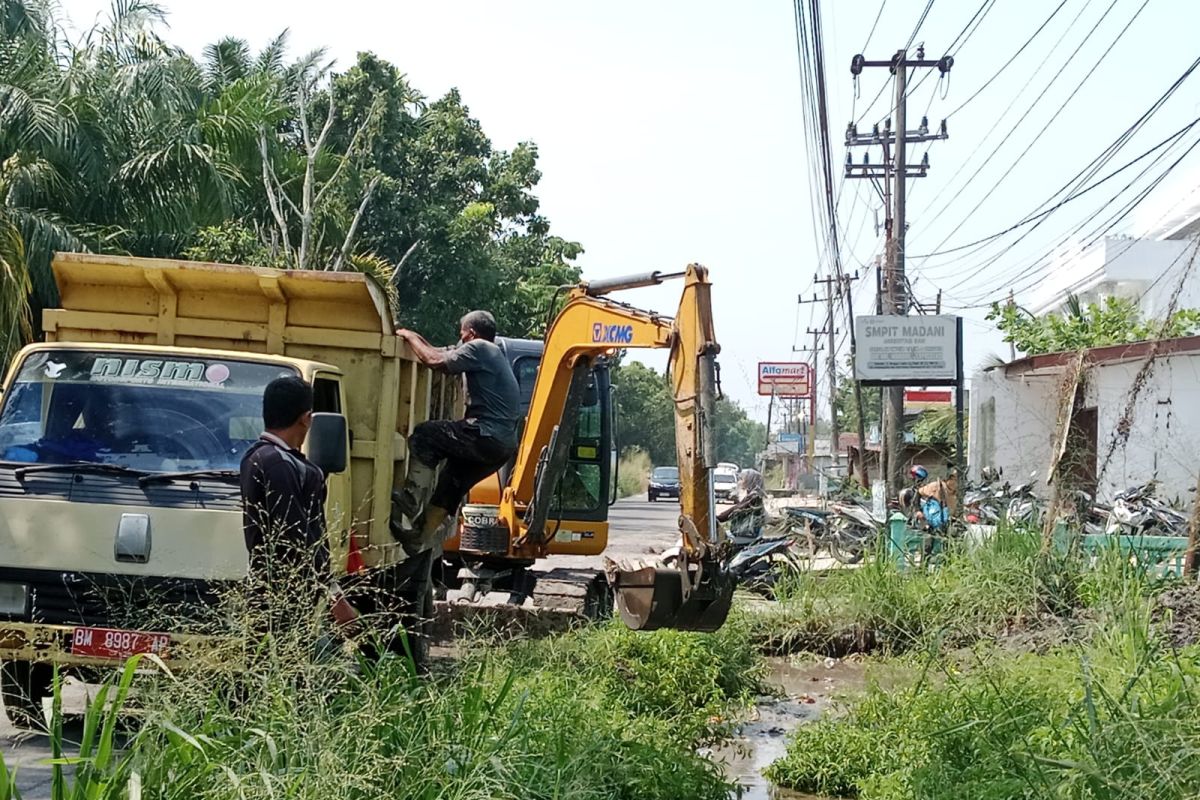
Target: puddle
(807, 689)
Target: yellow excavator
(518, 516)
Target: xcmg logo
(612, 334)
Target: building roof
(1111, 354)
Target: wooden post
(1189, 558)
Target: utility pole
(812, 401)
(858, 399)
(894, 168)
(832, 294)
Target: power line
(1033, 272)
(1100, 231)
(1095, 165)
(1033, 217)
(874, 24)
(1103, 228)
(920, 22)
(995, 126)
(1011, 59)
(1062, 107)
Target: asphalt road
(637, 529)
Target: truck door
(328, 397)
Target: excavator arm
(693, 594)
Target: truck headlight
(13, 597)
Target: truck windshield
(151, 412)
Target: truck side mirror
(327, 442)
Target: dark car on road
(664, 482)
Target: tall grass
(633, 472)
(598, 713)
(975, 591)
(1111, 715)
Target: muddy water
(806, 690)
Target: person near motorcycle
(747, 516)
(932, 502)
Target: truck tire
(420, 637)
(23, 685)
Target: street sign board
(785, 378)
(789, 437)
(898, 350)
(918, 400)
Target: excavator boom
(694, 593)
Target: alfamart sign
(785, 378)
(913, 350)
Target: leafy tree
(645, 411)
(1115, 321)
(739, 438)
(124, 143)
(847, 410)
(646, 419)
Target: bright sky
(672, 131)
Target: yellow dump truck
(121, 436)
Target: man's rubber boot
(417, 542)
(410, 501)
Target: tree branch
(344, 254)
(375, 108)
(404, 258)
(272, 200)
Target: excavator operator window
(581, 488)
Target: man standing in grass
(283, 515)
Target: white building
(1145, 270)
(1015, 413)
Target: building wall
(1137, 269)
(1164, 439)
(1013, 422)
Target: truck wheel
(23, 685)
(418, 628)
(422, 632)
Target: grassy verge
(1111, 713)
(599, 713)
(1004, 585)
(633, 473)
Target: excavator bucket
(652, 597)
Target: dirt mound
(1177, 611)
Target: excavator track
(561, 599)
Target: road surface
(639, 529)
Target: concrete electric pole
(890, 177)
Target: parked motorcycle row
(1134, 512)
(849, 527)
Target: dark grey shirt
(493, 399)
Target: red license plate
(113, 643)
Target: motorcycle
(853, 529)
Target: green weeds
(598, 713)
(1107, 713)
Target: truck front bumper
(26, 641)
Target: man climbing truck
(467, 450)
